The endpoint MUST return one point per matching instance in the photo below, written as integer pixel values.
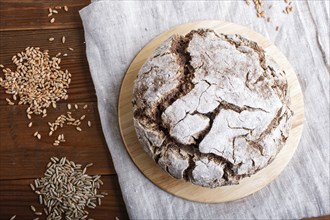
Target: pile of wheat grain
(38, 81)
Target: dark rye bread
(211, 108)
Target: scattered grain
(9, 101)
(69, 106)
(33, 208)
(52, 20)
(66, 8)
(78, 129)
(82, 117)
(2, 66)
(30, 124)
(89, 165)
(40, 200)
(58, 54)
(58, 7)
(85, 106)
(63, 39)
(288, 9)
(65, 55)
(55, 11)
(13, 217)
(38, 213)
(35, 133)
(89, 123)
(76, 106)
(261, 12)
(39, 136)
(50, 10)
(70, 49)
(51, 39)
(32, 187)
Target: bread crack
(239, 109)
(187, 172)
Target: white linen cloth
(115, 31)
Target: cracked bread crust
(211, 108)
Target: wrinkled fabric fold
(115, 31)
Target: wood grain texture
(22, 152)
(187, 190)
(22, 157)
(16, 198)
(326, 217)
(32, 14)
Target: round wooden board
(187, 190)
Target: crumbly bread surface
(211, 108)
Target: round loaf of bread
(211, 108)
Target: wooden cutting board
(187, 190)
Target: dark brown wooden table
(22, 157)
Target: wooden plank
(32, 14)
(81, 88)
(24, 156)
(326, 217)
(16, 198)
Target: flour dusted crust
(211, 108)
